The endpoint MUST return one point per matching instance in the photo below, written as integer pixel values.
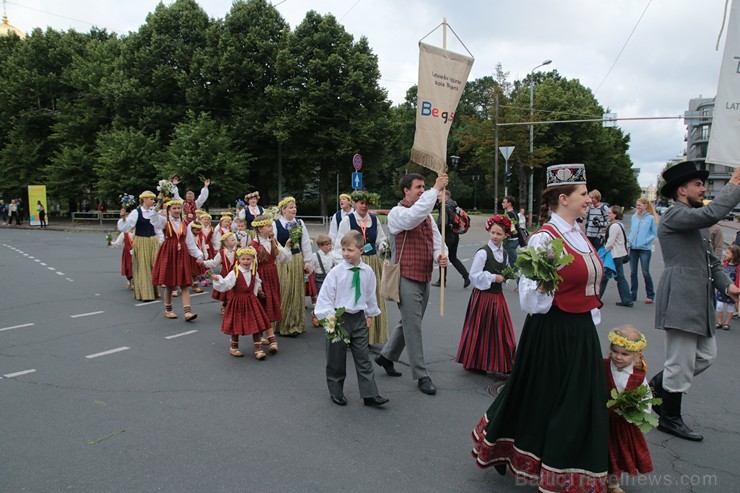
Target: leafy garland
(634, 406)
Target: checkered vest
(417, 254)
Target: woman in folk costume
(225, 259)
(126, 242)
(269, 254)
(172, 266)
(145, 247)
(345, 207)
(550, 424)
(375, 240)
(293, 274)
(251, 211)
(244, 314)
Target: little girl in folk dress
(225, 259)
(269, 253)
(488, 342)
(126, 241)
(244, 314)
(625, 370)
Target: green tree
(333, 106)
(202, 148)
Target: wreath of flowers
(499, 220)
(372, 199)
(287, 200)
(631, 346)
(250, 195)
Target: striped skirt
(292, 297)
(488, 342)
(145, 252)
(379, 328)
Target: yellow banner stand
(36, 194)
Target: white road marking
(60, 273)
(67, 278)
(16, 327)
(51, 268)
(181, 334)
(43, 264)
(25, 255)
(31, 257)
(85, 314)
(197, 294)
(105, 353)
(36, 260)
(18, 373)
(148, 303)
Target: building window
(704, 132)
(710, 185)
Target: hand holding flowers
(333, 327)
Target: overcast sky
(669, 59)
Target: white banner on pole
(442, 78)
(724, 141)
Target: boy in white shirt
(351, 285)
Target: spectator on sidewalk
(452, 239)
(4, 211)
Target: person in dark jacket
(452, 239)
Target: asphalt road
(101, 393)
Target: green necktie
(356, 282)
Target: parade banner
(36, 193)
(442, 78)
(724, 141)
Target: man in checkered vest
(418, 247)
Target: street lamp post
(475, 191)
(531, 136)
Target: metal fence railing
(96, 216)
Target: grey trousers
(336, 358)
(686, 355)
(414, 297)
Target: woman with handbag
(616, 243)
(643, 232)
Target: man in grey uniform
(683, 306)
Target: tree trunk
(323, 189)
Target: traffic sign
(357, 180)
(357, 163)
(506, 151)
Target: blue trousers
(510, 247)
(642, 256)
(622, 286)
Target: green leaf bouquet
(541, 264)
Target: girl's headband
(286, 201)
(631, 346)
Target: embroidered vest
(144, 227)
(371, 232)
(579, 289)
(263, 256)
(417, 253)
(494, 267)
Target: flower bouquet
(273, 212)
(510, 273)
(240, 205)
(205, 278)
(109, 239)
(166, 189)
(333, 327)
(128, 202)
(296, 232)
(384, 252)
(634, 406)
(541, 264)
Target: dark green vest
(494, 267)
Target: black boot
(671, 421)
(656, 383)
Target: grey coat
(685, 292)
